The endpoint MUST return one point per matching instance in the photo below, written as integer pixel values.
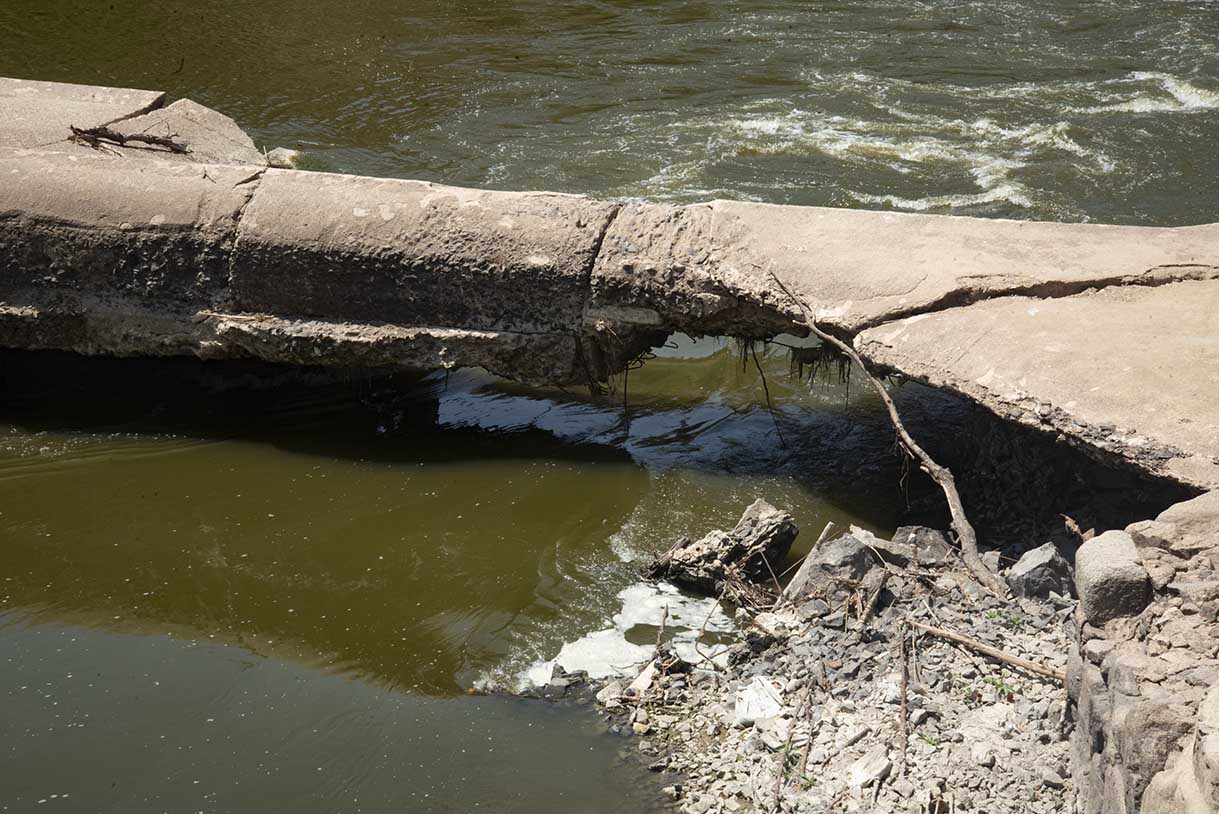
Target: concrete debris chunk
(757, 699)
(753, 551)
(643, 681)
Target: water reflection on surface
(96, 721)
(261, 539)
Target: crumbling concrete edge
(1111, 446)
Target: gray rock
(931, 549)
(1110, 579)
(1144, 736)
(872, 768)
(1095, 650)
(1206, 748)
(283, 158)
(813, 609)
(1040, 572)
(896, 552)
(991, 560)
(820, 575)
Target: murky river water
(266, 593)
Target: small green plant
(930, 740)
(1005, 691)
(1007, 619)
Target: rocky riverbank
(887, 679)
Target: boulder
(283, 158)
(754, 550)
(1110, 579)
(1040, 572)
(823, 572)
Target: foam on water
(610, 652)
(1168, 94)
(913, 143)
(922, 145)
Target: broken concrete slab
(707, 267)
(210, 137)
(1184, 529)
(1125, 372)
(38, 115)
(753, 550)
(377, 252)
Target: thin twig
(778, 587)
(766, 390)
(987, 650)
(966, 536)
(702, 631)
(903, 731)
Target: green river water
(250, 590)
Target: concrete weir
(1107, 336)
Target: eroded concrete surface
(1129, 370)
(1103, 335)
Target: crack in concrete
(155, 104)
(598, 243)
(238, 218)
(1046, 290)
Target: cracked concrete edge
(121, 329)
(1120, 373)
(251, 182)
(1100, 443)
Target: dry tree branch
(987, 650)
(966, 536)
(96, 137)
(903, 713)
